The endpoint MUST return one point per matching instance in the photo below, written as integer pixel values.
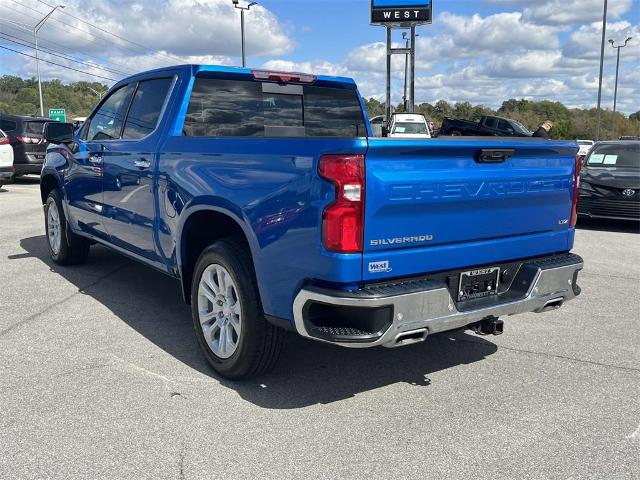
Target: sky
(480, 51)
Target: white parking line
(13, 187)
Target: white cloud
(496, 33)
(568, 12)
(547, 49)
(584, 43)
(178, 27)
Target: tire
(65, 247)
(252, 345)
(456, 133)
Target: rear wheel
(65, 247)
(231, 329)
(456, 133)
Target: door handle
(142, 164)
(95, 159)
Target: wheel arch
(49, 182)
(200, 226)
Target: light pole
(604, 36)
(242, 7)
(615, 95)
(35, 35)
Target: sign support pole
(412, 78)
(388, 96)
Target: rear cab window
(250, 108)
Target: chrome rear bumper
(426, 307)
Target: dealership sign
(401, 12)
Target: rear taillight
(343, 220)
(576, 191)
(5, 141)
(29, 140)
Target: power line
(86, 32)
(58, 64)
(60, 46)
(115, 62)
(50, 51)
(111, 33)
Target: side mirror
(57, 132)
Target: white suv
(6, 158)
(409, 125)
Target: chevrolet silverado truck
(487, 126)
(265, 195)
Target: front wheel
(231, 329)
(65, 247)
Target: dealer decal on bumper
(379, 267)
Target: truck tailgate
(432, 205)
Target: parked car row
(23, 135)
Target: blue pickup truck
(266, 196)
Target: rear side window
(8, 125)
(240, 108)
(146, 107)
(34, 128)
(502, 125)
(107, 122)
(491, 122)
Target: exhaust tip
(408, 338)
(552, 305)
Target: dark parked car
(487, 127)
(29, 146)
(610, 181)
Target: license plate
(478, 283)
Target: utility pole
(604, 36)
(35, 35)
(242, 7)
(615, 96)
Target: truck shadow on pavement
(308, 372)
(605, 225)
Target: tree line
(569, 123)
(20, 96)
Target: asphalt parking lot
(100, 377)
